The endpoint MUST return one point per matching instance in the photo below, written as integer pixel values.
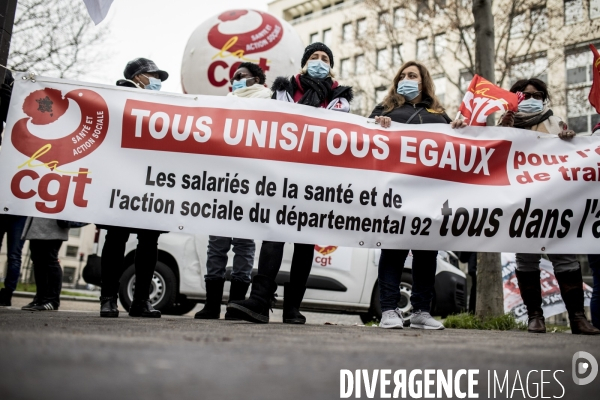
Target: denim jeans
(594, 260)
(243, 259)
(113, 260)
(391, 265)
(12, 226)
(46, 269)
(271, 256)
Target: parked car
(343, 279)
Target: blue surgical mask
(409, 89)
(318, 69)
(531, 106)
(154, 84)
(238, 84)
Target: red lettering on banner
(294, 138)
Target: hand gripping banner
(265, 169)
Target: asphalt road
(76, 355)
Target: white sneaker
(392, 319)
(424, 320)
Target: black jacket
(403, 113)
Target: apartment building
(72, 255)
(370, 39)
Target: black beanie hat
(311, 48)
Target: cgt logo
(584, 364)
(324, 259)
(48, 112)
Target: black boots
(256, 308)
(143, 308)
(214, 295)
(531, 293)
(109, 307)
(5, 297)
(571, 290)
(292, 297)
(237, 292)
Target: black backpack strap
(414, 115)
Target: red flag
(594, 96)
(484, 98)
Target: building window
(71, 251)
(361, 28)
(327, 37)
(383, 59)
(439, 44)
(422, 49)
(380, 94)
(68, 275)
(399, 17)
(359, 65)
(440, 87)
(594, 9)
(539, 20)
(466, 77)
(422, 9)
(345, 68)
(75, 232)
(383, 21)
(314, 37)
(439, 5)
(534, 66)
(573, 11)
(397, 55)
(518, 26)
(347, 32)
(581, 117)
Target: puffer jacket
(294, 89)
(37, 228)
(403, 113)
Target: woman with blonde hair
(410, 100)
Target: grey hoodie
(44, 229)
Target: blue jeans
(13, 226)
(594, 260)
(391, 265)
(216, 261)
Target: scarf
(254, 91)
(316, 91)
(527, 120)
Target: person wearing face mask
(410, 100)
(314, 87)
(143, 74)
(535, 115)
(247, 81)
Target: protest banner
(273, 170)
(552, 301)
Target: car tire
(374, 313)
(163, 290)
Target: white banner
(273, 170)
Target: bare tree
(522, 33)
(54, 37)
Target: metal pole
(8, 8)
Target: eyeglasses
(535, 95)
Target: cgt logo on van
(41, 137)
(324, 257)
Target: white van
(342, 280)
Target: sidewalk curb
(62, 297)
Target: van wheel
(374, 313)
(163, 288)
